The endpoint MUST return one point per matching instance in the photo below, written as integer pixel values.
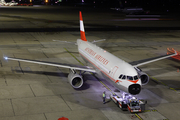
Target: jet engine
(75, 79)
(144, 77)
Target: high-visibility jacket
(104, 95)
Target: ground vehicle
(127, 102)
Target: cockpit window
(120, 76)
(136, 78)
(124, 77)
(129, 77)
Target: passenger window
(124, 77)
(120, 76)
(129, 77)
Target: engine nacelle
(75, 79)
(144, 77)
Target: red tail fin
(82, 31)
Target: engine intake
(134, 89)
(75, 79)
(144, 77)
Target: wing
(95, 41)
(74, 43)
(74, 67)
(146, 61)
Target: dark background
(156, 5)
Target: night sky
(146, 4)
(159, 5)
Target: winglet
(82, 31)
(176, 53)
(5, 58)
(171, 50)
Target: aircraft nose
(134, 89)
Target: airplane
(4, 3)
(12, 3)
(124, 76)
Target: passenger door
(114, 71)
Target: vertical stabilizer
(82, 32)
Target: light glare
(5, 58)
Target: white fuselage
(109, 65)
(4, 3)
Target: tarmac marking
(45, 54)
(32, 90)
(158, 81)
(12, 106)
(45, 116)
(138, 116)
(74, 56)
(91, 73)
(174, 89)
(103, 84)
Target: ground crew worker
(104, 97)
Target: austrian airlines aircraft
(124, 76)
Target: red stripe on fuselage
(135, 81)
